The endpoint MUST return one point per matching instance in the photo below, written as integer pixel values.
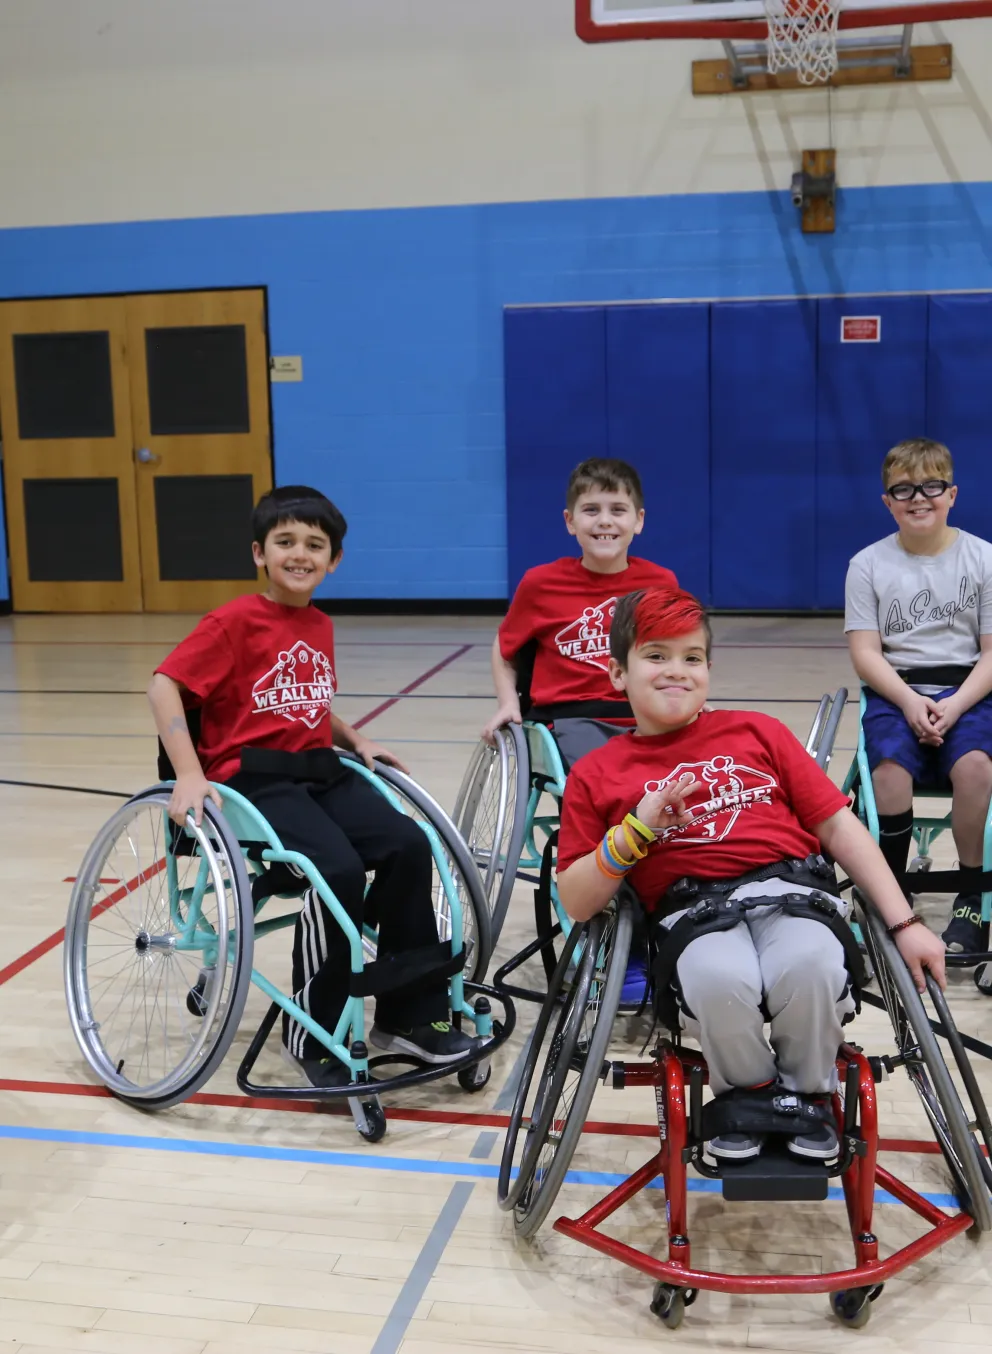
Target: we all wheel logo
(587, 639)
(729, 789)
(299, 686)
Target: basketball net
(802, 37)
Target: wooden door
(200, 406)
(68, 471)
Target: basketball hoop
(802, 37)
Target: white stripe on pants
(796, 966)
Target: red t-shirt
(263, 675)
(764, 794)
(567, 609)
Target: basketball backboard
(637, 20)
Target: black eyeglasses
(905, 491)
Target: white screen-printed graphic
(587, 639)
(299, 686)
(729, 789)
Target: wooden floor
(225, 1228)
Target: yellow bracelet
(643, 832)
(637, 849)
(610, 852)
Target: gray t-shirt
(928, 609)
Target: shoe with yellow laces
(439, 1042)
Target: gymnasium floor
(223, 1228)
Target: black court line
(68, 789)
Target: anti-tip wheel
(473, 1079)
(668, 1304)
(370, 1119)
(852, 1307)
(983, 979)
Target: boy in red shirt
(564, 610)
(261, 671)
(717, 796)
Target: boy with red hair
(695, 804)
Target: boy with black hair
(564, 609)
(692, 798)
(918, 618)
(261, 670)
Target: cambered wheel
(572, 1056)
(465, 876)
(919, 1052)
(491, 815)
(157, 967)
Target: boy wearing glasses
(918, 619)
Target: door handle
(146, 457)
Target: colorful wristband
(638, 849)
(610, 854)
(604, 869)
(642, 831)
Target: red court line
(43, 947)
(417, 681)
(473, 1120)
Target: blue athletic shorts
(889, 738)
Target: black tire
(920, 1053)
(471, 892)
(573, 1066)
(493, 801)
(153, 939)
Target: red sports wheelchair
(570, 1044)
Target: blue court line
(361, 1160)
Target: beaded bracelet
(901, 925)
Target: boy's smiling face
(919, 517)
(665, 680)
(297, 559)
(604, 522)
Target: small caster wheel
(473, 1079)
(198, 997)
(983, 979)
(668, 1304)
(920, 864)
(852, 1306)
(370, 1119)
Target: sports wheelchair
(567, 1059)
(921, 877)
(160, 940)
(508, 809)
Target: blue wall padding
(869, 397)
(763, 454)
(657, 382)
(959, 401)
(555, 362)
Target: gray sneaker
(736, 1146)
(819, 1144)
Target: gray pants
(791, 964)
(576, 737)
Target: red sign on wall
(861, 329)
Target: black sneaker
(965, 933)
(321, 1073)
(736, 1146)
(819, 1143)
(438, 1042)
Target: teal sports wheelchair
(920, 876)
(160, 946)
